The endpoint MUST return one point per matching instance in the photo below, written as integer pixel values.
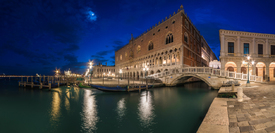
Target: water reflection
(55, 111)
(146, 109)
(67, 102)
(121, 108)
(89, 114)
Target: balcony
(260, 55)
(272, 56)
(231, 54)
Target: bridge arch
(187, 76)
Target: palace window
(131, 54)
(186, 37)
(150, 46)
(138, 48)
(186, 24)
(260, 48)
(125, 54)
(230, 47)
(120, 57)
(272, 49)
(169, 38)
(246, 48)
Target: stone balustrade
(210, 71)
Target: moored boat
(122, 89)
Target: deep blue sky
(37, 36)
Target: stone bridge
(213, 77)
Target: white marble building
(236, 45)
(215, 64)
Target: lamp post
(247, 62)
(120, 72)
(146, 70)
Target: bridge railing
(208, 70)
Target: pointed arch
(150, 46)
(186, 38)
(169, 38)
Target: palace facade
(236, 45)
(171, 43)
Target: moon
(91, 16)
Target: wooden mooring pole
(50, 86)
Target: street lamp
(247, 62)
(120, 72)
(146, 70)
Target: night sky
(37, 36)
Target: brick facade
(173, 42)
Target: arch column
(223, 64)
(239, 66)
(254, 70)
(267, 69)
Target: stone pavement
(216, 119)
(256, 115)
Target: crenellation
(158, 24)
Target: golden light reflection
(89, 115)
(146, 109)
(67, 101)
(55, 112)
(121, 108)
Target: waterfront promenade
(256, 115)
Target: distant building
(236, 45)
(215, 64)
(68, 73)
(103, 70)
(171, 43)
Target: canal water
(73, 109)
